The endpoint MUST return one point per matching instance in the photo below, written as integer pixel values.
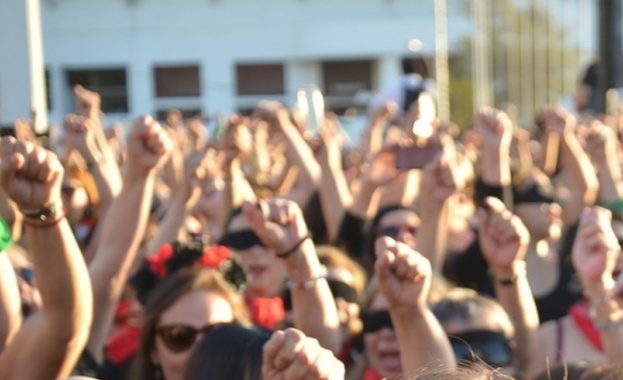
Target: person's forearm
(10, 303)
(121, 236)
(300, 155)
(495, 168)
(366, 201)
(404, 190)
(578, 168)
(237, 187)
(517, 299)
(335, 198)
(313, 306)
(374, 136)
(65, 288)
(423, 342)
(169, 227)
(610, 180)
(433, 232)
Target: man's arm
(54, 338)
(148, 148)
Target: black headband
(240, 240)
(534, 194)
(339, 289)
(374, 320)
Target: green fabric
(5, 235)
(615, 206)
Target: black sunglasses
(240, 240)
(375, 320)
(179, 337)
(490, 347)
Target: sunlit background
(212, 57)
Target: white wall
(21, 62)
(220, 33)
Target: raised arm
(280, 225)
(442, 179)
(379, 172)
(237, 188)
(335, 196)
(578, 173)
(298, 152)
(404, 278)
(603, 148)
(50, 342)
(182, 201)
(80, 134)
(504, 241)
(496, 131)
(148, 148)
(595, 254)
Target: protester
(179, 255)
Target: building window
(178, 81)
(345, 81)
(346, 78)
(260, 79)
(111, 84)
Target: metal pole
(441, 61)
(480, 54)
(610, 48)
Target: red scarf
(371, 375)
(580, 314)
(266, 312)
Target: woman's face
(381, 346)
(264, 271)
(197, 309)
(75, 200)
(401, 225)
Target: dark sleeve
(468, 269)
(483, 190)
(351, 235)
(315, 219)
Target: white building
(224, 55)
(210, 56)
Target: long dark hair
(228, 352)
(165, 295)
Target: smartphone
(415, 156)
(310, 107)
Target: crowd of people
(266, 252)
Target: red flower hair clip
(214, 256)
(157, 262)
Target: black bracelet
(298, 245)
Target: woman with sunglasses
(401, 335)
(273, 246)
(181, 309)
(483, 331)
(49, 343)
